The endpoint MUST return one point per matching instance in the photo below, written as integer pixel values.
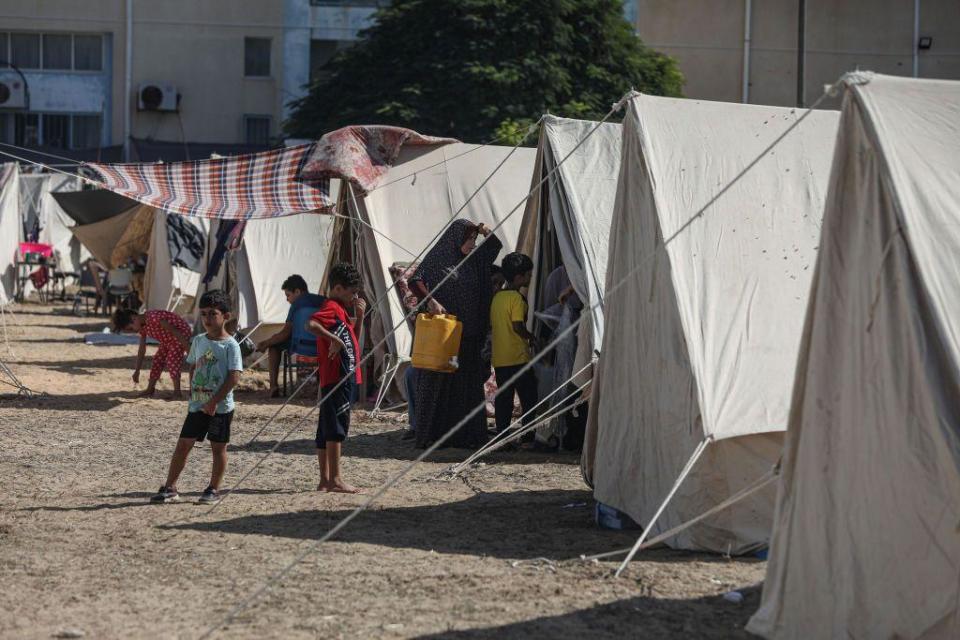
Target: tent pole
(676, 485)
(743, 494)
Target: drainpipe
(128, 82)
(747, 11)
(801, 52)
(916, 38)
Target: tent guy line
(616, 107)
(511, 429)
(382, 298)
(245, 603)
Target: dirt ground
(494, 555)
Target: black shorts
(200, 425)
(333, 423)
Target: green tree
(476, 69)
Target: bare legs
(179, 461)
(330, 480)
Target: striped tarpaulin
(260, 185)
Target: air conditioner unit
(156, 96)
(13, 95)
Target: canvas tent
(567, 223)
(397, 221)
(866, 541)
(10, 228)
(567, 220)
(272, 250)
(137, 230)
(700, 341)
(39, 209)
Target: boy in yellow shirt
(512, 342)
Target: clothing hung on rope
(229, 235)
(186, 243)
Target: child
(170, 330)
(337, 347)
(512, 342)
(215, 371)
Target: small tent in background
(10, 228)
(567, 223)
(395, 222)
(866, 541)
(174, 245)
(700, 341)
(39, 209)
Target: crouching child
(336, 325)
(215, 365)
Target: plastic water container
(611, 518)
(436, 342)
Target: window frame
(269, 41)
(248, 117)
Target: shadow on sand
(390, 445)
(555, 524)
(639, 617)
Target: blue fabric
(213, 360)
(302, 342)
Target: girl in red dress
(170, 330)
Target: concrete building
(746, 51)
(100, 72)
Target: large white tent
(866, 541)
(10, 228)
(567, 221)
(714, 237)
(424, 189)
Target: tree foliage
(475, 69)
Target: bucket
(436, 342)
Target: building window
(26, 129)
(256, 57)
(25, 50)
(53, 51)
(257, 129)
(321, 52)
(85, 132)
(57, 51)
(60, 130)
(88, 53)
(55, 130)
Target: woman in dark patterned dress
(444, 399)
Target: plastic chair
(119, 286)
(90, 288)
(302, 354)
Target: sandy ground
(492, 555)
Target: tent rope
(249, 600)
(517, 433)
(687, 468)
(452, 273)
(457, 468)
(743, 494)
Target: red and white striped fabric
(260, 185)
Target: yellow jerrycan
(436, 342)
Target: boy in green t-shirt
(216, 364)
(512, 342)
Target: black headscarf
(467, 293)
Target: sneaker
(210, 496)
(165, 494)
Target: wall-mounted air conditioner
(13, 95)
(157, 96)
